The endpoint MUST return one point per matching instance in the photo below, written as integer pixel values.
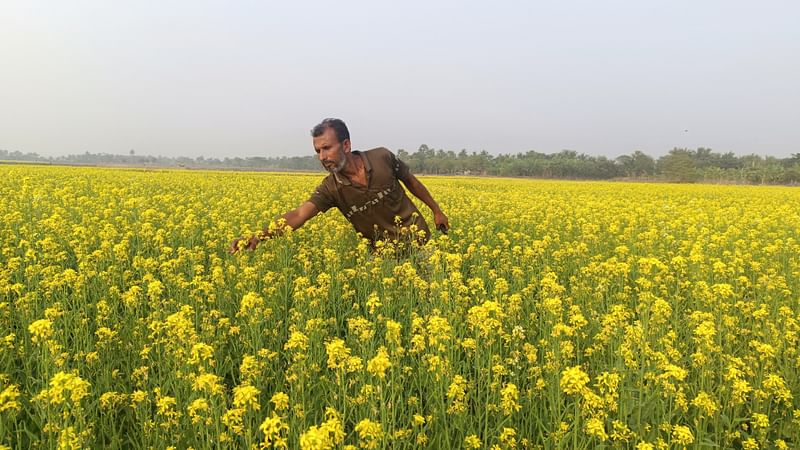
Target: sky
(251, 78)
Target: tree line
(679, 165)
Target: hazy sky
(244, 78)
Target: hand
(442, 224)
(243, 243)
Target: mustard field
(554, 315)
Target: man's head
(332, 143)
(337, 125)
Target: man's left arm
(421, 192)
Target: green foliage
(679, 165)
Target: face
(332, 153)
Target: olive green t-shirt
(380, 210)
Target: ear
(346, 145)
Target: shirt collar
(367, 166)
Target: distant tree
(703, 157)
(478, 163)
(637, 164)
(791, 176)
(792, 161)
(728, 161)
(751, 161)
(684, 165)
(643, 164)
(678, 165)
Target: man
(365, 187)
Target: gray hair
(337, 125)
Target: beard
(336, 166)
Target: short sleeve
(400, 169)
(322, 198)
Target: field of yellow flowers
(554, 315)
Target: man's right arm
(300, 215)
(293, 219)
